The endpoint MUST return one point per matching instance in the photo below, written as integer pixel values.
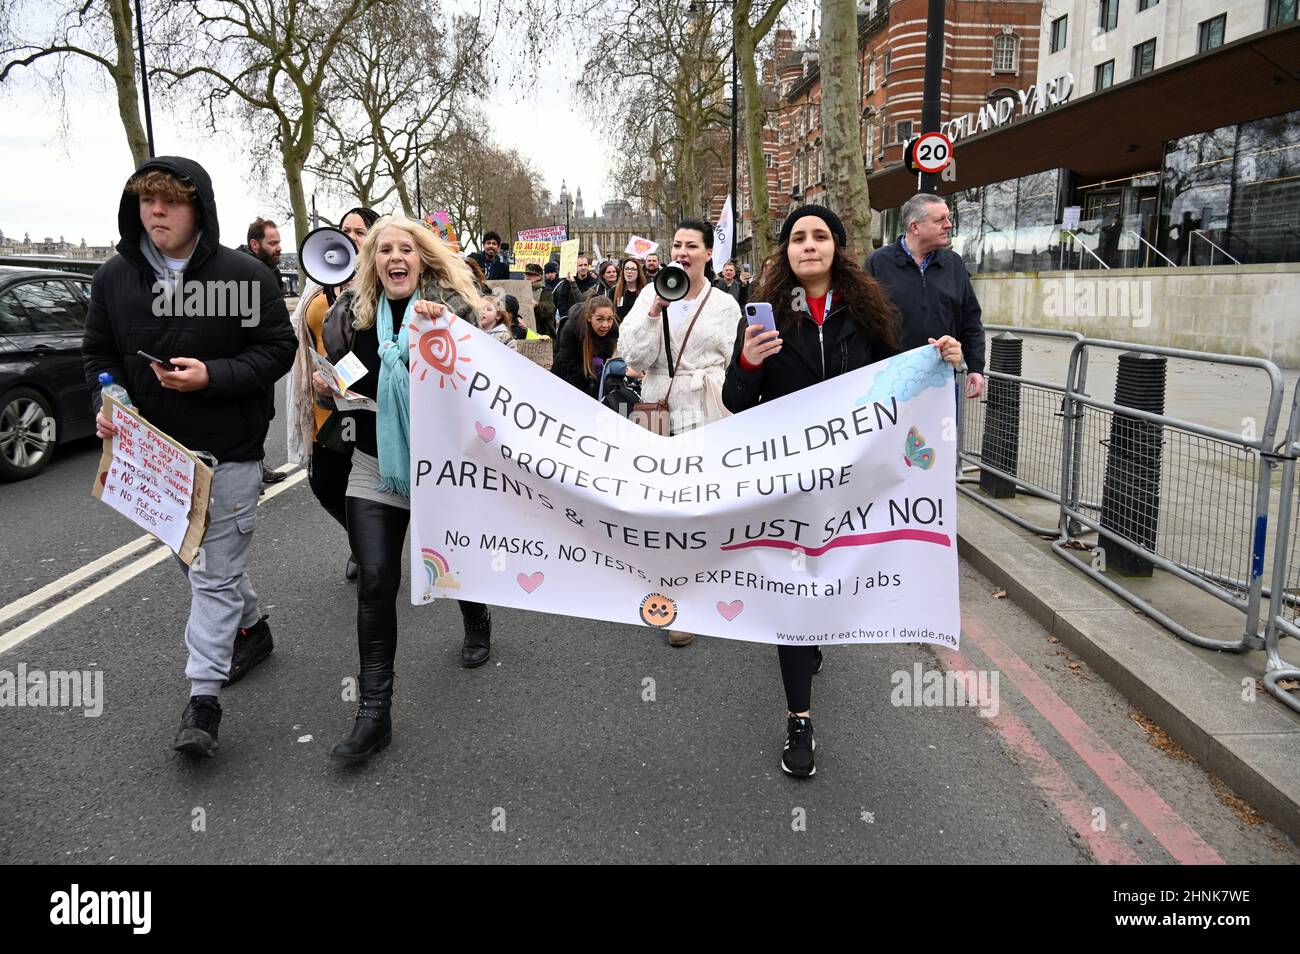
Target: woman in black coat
(846, 322)
(592, 334)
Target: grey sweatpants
(221, 594)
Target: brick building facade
(990, 51)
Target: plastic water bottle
(118, 393)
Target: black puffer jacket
(810, 356)
(568, 355)
(245, 353)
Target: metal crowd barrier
(1282, 618)
(1158, 492)
(1032, 465)
(1197, 497)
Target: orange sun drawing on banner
(437, 349)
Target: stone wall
(1243, 310)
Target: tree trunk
(843, 170)
(747, 40)
(128, 95)
(293, 158)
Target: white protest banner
(555, 234)
(722, 238)
(640, 247)
(824, 517)
(149, 478)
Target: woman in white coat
(700, 368)
(700, 359)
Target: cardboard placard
(126, 464)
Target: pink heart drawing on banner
(530, 583)
(485, 434)
(730, 611)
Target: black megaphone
(672, 283)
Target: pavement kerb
(1253, 747)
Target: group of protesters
(698, 357)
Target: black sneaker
(797, 758)
(198, 732)
(252, 645)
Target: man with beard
(264, 245)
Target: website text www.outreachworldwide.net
(1203, 921)
(892, 634)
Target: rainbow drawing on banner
(435, 564)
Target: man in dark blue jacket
(930, 286)
(216, 320)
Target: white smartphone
(760, 313)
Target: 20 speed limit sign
(932, 152)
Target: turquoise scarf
(393, 422)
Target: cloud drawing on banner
(907, 375)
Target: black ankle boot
(373, 728)
(478, 637)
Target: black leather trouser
(377, 532)
(328, 477)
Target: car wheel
(27, 433)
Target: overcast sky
(51, 188)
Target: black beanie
(826, 215)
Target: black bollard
(1000, 447)
(1130, 501)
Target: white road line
(69, 580)
(67, 607)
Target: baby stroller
(618, 392)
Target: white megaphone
(328, 258)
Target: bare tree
(748, 37)
(844, 172)
(400, 77)
(481, 185)
(97, 31)
(658, 69)
(272, 59)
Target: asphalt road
(551, 752)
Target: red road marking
(1178, 838)
(1047, 774)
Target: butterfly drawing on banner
(915, 453)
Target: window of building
(869, 147)
(904, 130)
(1144, 57)
(1280, 11)
(1108, 16)
(1146, 4)
(1005, 53)
(886, 132)
(1059, 33)
(768, 160)
(889, 62)
(871, 73)
(1103, 76)
(1209, 34)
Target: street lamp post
(144, 76)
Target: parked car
(44, 399)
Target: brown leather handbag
(653, 416)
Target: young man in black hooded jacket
(174, 292)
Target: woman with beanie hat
(835, 319)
